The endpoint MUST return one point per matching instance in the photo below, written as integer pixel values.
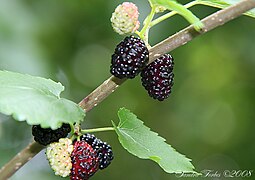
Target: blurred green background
(209, 116)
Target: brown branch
(110, 85)
(100, 93)
(19, 160)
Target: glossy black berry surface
(104, 150)
(47, 135)
(157, 77)
(130, 57)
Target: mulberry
(125, 18)
(130, 57)
(157, 77)
(104, 150)
(58, 155)
(47, 135)
(85, 161)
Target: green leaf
(137, 139)
(36, 100)
(223, 4)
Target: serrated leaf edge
(119, 132)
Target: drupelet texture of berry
(125, 18)
(85, 161)
(47, 135)
(130, 57)
(104, 150)
(157, 77)
(59, 156)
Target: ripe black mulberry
(104, 150)
(130, 57)
(157, 77)
(47, 135)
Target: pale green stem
(98, 130)
(209, 4)
(144, 33)
(166, 16)
(72, 128)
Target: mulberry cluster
(80, 159)
(157, 77)
(47, 135)
(130, 57)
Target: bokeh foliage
(209, 116)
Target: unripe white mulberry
(125, 18)
(58, 154)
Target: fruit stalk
(98, 130)
(110, 85)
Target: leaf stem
(97, 130)
(170, 14)
(110, 85)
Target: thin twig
(110, 85)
